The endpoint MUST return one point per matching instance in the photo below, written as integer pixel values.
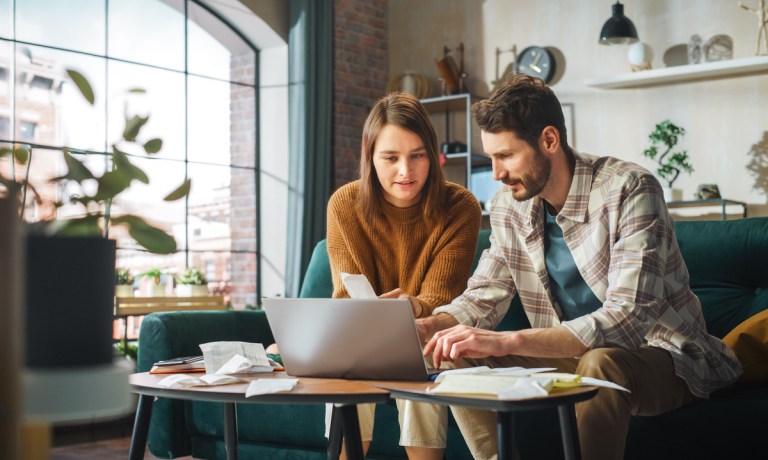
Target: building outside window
(200, 78)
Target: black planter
(70, 297)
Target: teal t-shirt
(568, 287)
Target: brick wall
(360, 77)
(242, 218)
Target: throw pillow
(749, 341)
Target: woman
(412, 234)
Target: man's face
(525, 170)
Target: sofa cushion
(317, 283)
(749, 340)
(728, 268)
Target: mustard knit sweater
(431, 263)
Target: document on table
(357, 286)
(500, 386)
(186, 381)
(511, 382)
(235, 357)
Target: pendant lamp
(618, 29)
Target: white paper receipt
(358, 286)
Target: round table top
(307, 391)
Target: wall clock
(537, 61)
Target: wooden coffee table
(344, 394)
(563, 399)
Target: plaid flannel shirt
(616, 225)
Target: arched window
(201, 78)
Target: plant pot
(124, 290)
(66, 325)
(191, 290)
(672, 194)
(157, 290)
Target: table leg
(351, 428)
(141, 427)
(230, 430)
(569, 432)
(505, 431)
(335, 434)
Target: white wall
(725, 119)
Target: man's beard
(534, 181)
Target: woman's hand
(398, 293)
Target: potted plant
(191, 283)
(666, 135)
(156, 287)
(123, 282)
(62, 253)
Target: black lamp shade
(618, 30)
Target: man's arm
(469, 342)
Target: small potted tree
(671, 164)
(191, 283)
(123, 282)
(156, 288)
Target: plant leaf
(81, 226)
(180, 192)
(133, 126)
(21, 154)
(137, 90)
(123, 164)
(152, 238)
(153, 146)
(82, 84)
(77, 171)
(111, 184)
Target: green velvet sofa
(728, 264)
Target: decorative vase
(67, 325)
(191, 290)
(124, 290)
(157, 290)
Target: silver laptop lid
(374, 339)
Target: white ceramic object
(640, 55)
(672, 194)
(123, 290)
(191, 290)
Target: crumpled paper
(186, 381)
(267, 386)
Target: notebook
(371, 339)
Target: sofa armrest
(173, 334)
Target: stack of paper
(511, 382)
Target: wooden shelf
(683, 74)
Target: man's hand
(467, 342)
(398, 293)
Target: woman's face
(402, 165)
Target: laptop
(371, 339)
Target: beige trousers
(603, 421)
(421, 424)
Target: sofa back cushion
(728, 265)
(727, 262)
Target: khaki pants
(421, 424)
(603, 421)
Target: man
(588, 245)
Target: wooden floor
(103, 441)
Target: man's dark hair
(522, 104)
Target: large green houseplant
(666, 135)
(71, 263)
